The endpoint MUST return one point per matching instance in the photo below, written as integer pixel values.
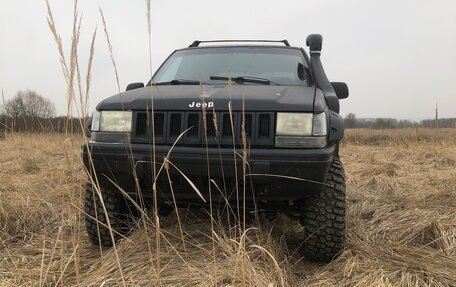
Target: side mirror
(88, 127)
(341, 89)
(133, 86)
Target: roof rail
(197, 43)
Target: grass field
(401, 200)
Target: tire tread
(324, 217)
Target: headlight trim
(301, 142)
(95, 127)
(319, 126)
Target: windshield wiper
(179, 82)
(245, 79)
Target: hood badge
(201, 104)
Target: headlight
(301, 130)
(112, 121)
(294, 124)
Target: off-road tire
(324, 217)
(115, 209)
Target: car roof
(196, 43)
(240, 46)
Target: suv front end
(220, 119)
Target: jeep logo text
(199, 105)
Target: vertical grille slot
(193, 123)
(159, 124)
(210, 127)
(248, 125)
(175, 125)
(141, 125)
(226, 126)
(264, 122)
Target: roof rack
(197, 43)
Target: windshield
(250, 65)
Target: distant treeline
(351, 121)
(37, 124)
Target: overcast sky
(397, 56)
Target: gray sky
(397, 56)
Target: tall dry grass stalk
(111, 53)
(209, 185)
(152, 128)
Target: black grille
(259, 128)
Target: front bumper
(270, 174)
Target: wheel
(116, 211)
(324, 217)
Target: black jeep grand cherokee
(249, 125)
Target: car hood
(192, 97)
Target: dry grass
(398, 136)
(401, 224)
(401, 227)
